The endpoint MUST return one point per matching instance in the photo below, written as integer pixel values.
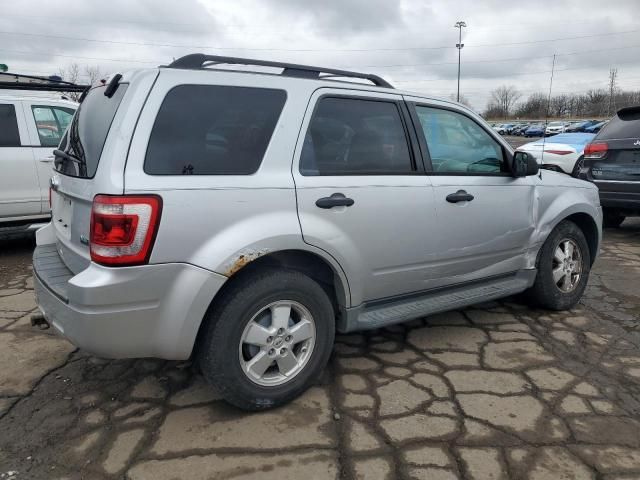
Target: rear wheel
(563, 268)
(268, 339)
(612, 218)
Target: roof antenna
(546, 116)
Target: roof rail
(200, 60)
(17, 81)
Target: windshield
(88, 132)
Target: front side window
(457, 144)
(348, 136)
(51, 123)
(9, 134)
(213, 130)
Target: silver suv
(242, 217)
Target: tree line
(505, 103)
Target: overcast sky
(410, 42)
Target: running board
(404, 309)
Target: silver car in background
(242, 218)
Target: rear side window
(9, 135)
(51, 123)
(213, 130)
(624, 125)
(88, 131)
(350, 136)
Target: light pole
(459, 45)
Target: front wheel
(563, 268)
(267, 339)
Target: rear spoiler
(16, 81)
(626, 111)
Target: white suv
(30, 128)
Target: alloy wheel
(567, 265)
(277, 343)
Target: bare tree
(505, 98)
(93, 74)
(463, 100)
(72, 73)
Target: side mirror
(524, 165)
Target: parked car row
(539, 129)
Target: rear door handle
(335, 200)
(459, 196)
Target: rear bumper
(129, 312)
(620, 200)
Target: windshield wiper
(59, 154)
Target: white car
(500, 129)
(30, 129)
(553, 128)
(560, 152)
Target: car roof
(130, 75)
(39, 99)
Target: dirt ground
(495, 391)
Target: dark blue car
(580, 127)
(595, 128)
(534, 131)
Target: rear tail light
(123, 228)
(596, 150)
(49, 198)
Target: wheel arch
(587, 224)
(328, 274)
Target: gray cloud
(400, 40)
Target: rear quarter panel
(223, 222)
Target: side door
(362, 193)
(485, 216)
(47, 125)
(19, 188)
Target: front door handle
(459, 196)
(335, 200)
(48, 159)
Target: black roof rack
(18, 81)
(200, 60)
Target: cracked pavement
(495, 391)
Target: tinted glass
(625, 126)
(355, 137)
(88, 131)
(9, 135)
(51, 123)
(213, 130)
(457, 144)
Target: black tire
(612, 218)
(544, 292)
(218, 353)
(576, 168)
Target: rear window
(213, 130)
(624, 125)
(88, 131)
(9, 136)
